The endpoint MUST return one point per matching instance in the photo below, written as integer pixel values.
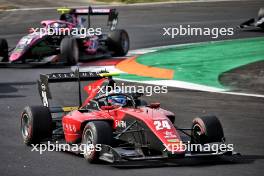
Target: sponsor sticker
(169, 134)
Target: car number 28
(162, 124)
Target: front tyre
(69, 50)
(95, 134)
(4, 50)
(118, 42)
(36, 124)
(207, 129)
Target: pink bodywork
(29, 40)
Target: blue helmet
(119, 100)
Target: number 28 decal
(162, 124)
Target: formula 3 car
(259, 22)
(130, 130)
(69, 39)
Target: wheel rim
(197, 131)
(25, 126)
(88, 140)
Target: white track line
(183, 84)
(172, 83)
(97, 69)
(156, 48)
(191, 86)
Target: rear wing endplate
(45, 79)
(111, 12)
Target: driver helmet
(81, 22)
(67, 18)
(119, 100)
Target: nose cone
(14, 57)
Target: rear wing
(89, 11)
(45, 79)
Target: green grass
(203, 63)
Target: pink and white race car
(69, 39)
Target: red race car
(120, 126)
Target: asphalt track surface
(242, 117)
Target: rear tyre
(94, 134)
(207, 129)
(69, 50)
(118, 42)
(36, 124)
(4, 50)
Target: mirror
(154, 105)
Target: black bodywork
(258, 22)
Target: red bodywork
(153, 118)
